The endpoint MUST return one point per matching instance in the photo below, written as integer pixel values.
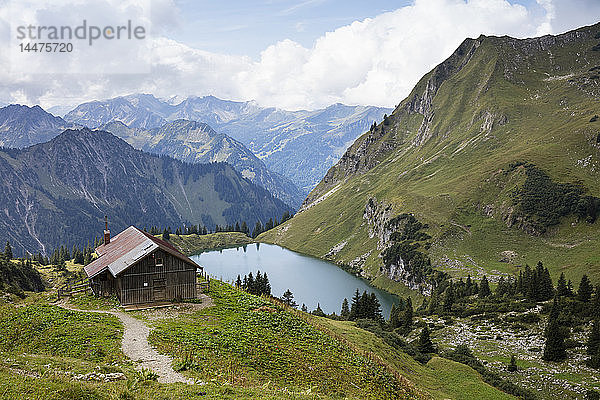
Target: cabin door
(159, 287)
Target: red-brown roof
(126, 249)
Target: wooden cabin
(139, 269)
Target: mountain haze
(496, 150)
(23, 126)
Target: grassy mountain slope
(235, 348)
(440, 378)
(58, 192)
(451, 153)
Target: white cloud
(375, 61)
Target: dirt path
(135, 346)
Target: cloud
(374, 61)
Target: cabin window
(156, 260)
(145, 284)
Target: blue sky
(245, 27)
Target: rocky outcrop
(377, 214)
(490, 120)
(358, 263)
(336, 249)
(508, 214)
(382, 224)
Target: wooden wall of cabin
(104, 284)
(148, 281)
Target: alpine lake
(311, 280)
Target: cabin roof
(126, 249)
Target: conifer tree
(238, 282)
(512, 367)
(250, 283)
(318, 312)
(484, 287)
(374, 308)
(8, 254)
(267, 287)
(257, 229)
(449, 298)
(520, 286)
(244, 228)
(304, 308)
(594, 360)
(554, 348)
(593, 342)
(258, 284)
(269, 225)
(596, 303)
(469, 285)
(433, 303)
(502, 287)
(592, 395)
(345, 309)
(546, 287)
(288, 298)
(424, 344)
(561, 286)
(394, 320)
(584, 293)
(355, 305)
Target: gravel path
(135, 346)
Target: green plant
(146, 374)
(186, 362)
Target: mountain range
(56, 193)
(189, 141)
(197, 142)
(494, 158)
(300, 145)
(22, 126)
